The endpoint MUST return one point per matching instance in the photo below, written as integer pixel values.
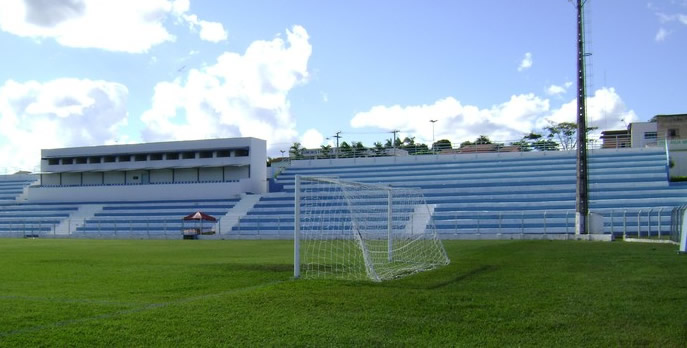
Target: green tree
(442, 144)
(326, 150)
(378, 148)
(481, 140)
(345, 150)
(358, 148)
(565, 133)
(296, 151)
(535, 141)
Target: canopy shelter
(196, 228)
(200, 216)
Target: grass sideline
(212, 293)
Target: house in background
(615, 139)
(643, 134)
(671, 126)
(668, 131)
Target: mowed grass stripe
(529, 293)
(121, 312)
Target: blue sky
(89, 72)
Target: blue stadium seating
(11, 186)
(496, 195)
(504, 195)
(151, 218)
(144, 219)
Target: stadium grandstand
(144, 191)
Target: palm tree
(325, 150)
(296, 151)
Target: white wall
(678, 156)
(134, 177)
(637, 130)
(186, 174)
(114, 178)
(71, 178)
(92, 178)
(139, 192)
(210, 174)
(160, 175)
(50, 179)
(235, 173)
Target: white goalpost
(351, 230)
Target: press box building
(207, 169)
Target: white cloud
(58, 113)
(312, 139)
(555, 90)
(132, 26)
(209, 31)
(661, 34)
(558, 90)
(669, 16)
(605, 110)
(240, 95)
(526, 62)
(507, 121)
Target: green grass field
(238, 293)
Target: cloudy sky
(92, 72)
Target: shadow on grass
(462, 277)
(251, 267)
(410, 283)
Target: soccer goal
(679, 228)
(351, 230)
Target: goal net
(351, 230)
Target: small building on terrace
(196, 169)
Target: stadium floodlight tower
(353, 230)
(582, 196)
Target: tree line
(554, 137)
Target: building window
(53, 161)
(205, 154)
(673, 133)
(109, 159)
(172, 156)
(125, 158)
(242, 153)
(140, 158)
(94, 160)
(156, 157)
(81, 160)
(67, 161)
(650, 135)
(223, 153)
(188, 155)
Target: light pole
(337, 136)
(434, 150)
(394, 141)
(581, 200)
(282, 153)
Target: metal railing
(607, 142)
(636, 223)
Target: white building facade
(643, 134)
(197, 169)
